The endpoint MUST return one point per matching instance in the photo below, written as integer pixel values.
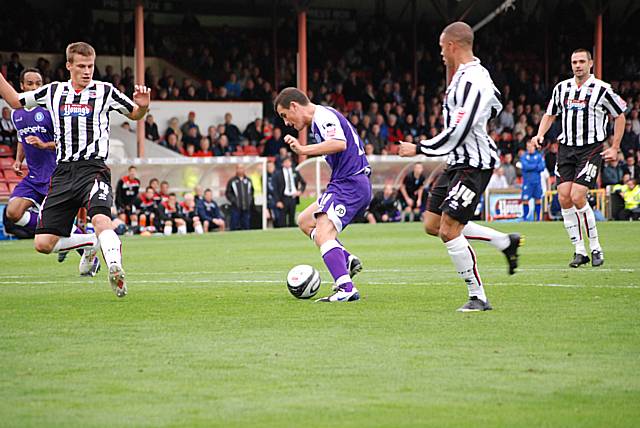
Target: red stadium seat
(6, 162)
(5, 151)
(4, 189)
(12, 186)
(11, 176)
(251, 151)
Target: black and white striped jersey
(80, 119)
(471, 101)
(585, 110)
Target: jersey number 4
(462, 194)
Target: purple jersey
(329, 124)
(41, 162)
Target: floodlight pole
(139, 73)
(598, 47)
(302, 66)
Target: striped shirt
(80, 119)
(471, 101)
(584, 110)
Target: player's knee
(13, 213)
(43, 246)
(432, 229)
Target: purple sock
(333, 257)
(346, 253)
(33, 221)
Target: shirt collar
(474, 61)
(586, 82)
(89, 86)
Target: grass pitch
(209, 335)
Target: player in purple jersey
(37, 144)
(349, 190)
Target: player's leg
(197, 225)
(181, 225)
(168, 227)
(19, 214)
(572, 224)
(588, 219)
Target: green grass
(209, 336)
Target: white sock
(111, 247)
(24, 220)
(572, 225)
(168, 230)
(74, 242)
(589, 220)
(464, 260)
(134, 223)
(483, 233)
(198, 228)
(182, 230)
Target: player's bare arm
(9, 93)
(611, 153)
(17, 165)
(142, 99)
(545, 124)
(44, 145)
(325, 148)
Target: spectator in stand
(164, 191)
(222, 147)
(212, 135)
(173, 129)
(509, 170)
(411, 191)
(223, 95)
(191, 138)
(394, 133)
(232, 86)
(171, 216)
(273, 144)
(8, 133)
(14, 68)
(151, 129)
(174, 94)
(498, 180)
(249, 92)
(189, 150)
(375, 139)
(288, 186)
(147, 208)
(231, 131)
(240, 195)
(172, 143)
(631, 167)
(612, 173)
(630, 141)
(190, 94)
(253, 132)
(190, 214)
(635, 121)
(207, 92)
(384, 207)
(505, 118)
(337, 98)
(209, 213)
(126, 193)
(204, 149)
(190, 123)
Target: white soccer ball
(303, 281)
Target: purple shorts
(34, 192)
(344, 199)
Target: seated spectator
(205, 149)
(231, 131)
(612, 173)
(375, 139)
(411, 191)
(147, 209)
(272, 145)
(173, 129)
(384, 207)
(207, 92)
(8, 133)
(172, 143)
(212, 135)
(151, 129)
(630, 141)
(232, 86)
(630, 193)
(509, 169)
(171, 216)
(209, 213)
(190, 214)
(498, 180)
(249, 92)
(191, 138)
(190, 123)
(631, 167)
(189, 150)
(222, 147)
(254, 132)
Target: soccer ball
(303, 281)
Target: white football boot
(116, 279)
(342, 296)
(89, 262)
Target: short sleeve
(34, 98)
(330, 128)
(120, 102)
(613, 103)
(555, 104)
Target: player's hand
(142, 96)
(279, 205)
(409, 202)
(610, 154)
(294, 144)
(35, 141)
(537, 141)
(407, 150)
(17, 168)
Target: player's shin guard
(572, 225)
(464, 259)
(111, 247)
(333, 256)
(483, 233)
(29, 220)
(586, 214)
(525, 211)
(74, 242)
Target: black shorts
(457, 192)
(85, 183)
(579, 164)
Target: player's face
(31, 82)
(581, 64)
(292, 116)
(81, 69)
(446, 47)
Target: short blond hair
(80, 48)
